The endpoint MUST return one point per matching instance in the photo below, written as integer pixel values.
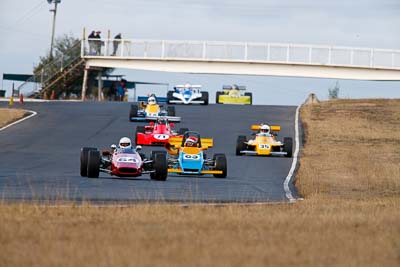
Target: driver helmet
(151, 100)
(191, 141)
(187, 86)
(264, 128)
(125, 142)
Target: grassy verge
(10, 115)
(350, 215)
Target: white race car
(187, 94)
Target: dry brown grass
(311, 233)
(352, 149)
(350, 215)
(9, 115)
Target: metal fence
(244, 52)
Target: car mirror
(172, 124)
(113, 146)
(138, 148)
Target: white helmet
(187, 86)
(125, 142)
(264, 128)
(151, 100)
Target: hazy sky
(25, 30)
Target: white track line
(21, 120)
(288, 179)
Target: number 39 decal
(192, 157)
(263, 146)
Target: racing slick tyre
(288, 146)
(251, 97)
(204, 97)
(93, 167)
(217, 94)
(169, 96)
(171, 111)
(182, 131)
(133, 112)
(139, 129)
(160, 165)
(84, 159)
(240, 144)
(220, 165)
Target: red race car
(157, 133)
(123, 162)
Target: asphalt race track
(39, 157)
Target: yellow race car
(233, 94)
(264, 143)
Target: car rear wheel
(171, 111)
(93, 167)
(288, 146)
(133, 112)
(217, 97)
(160, 165)
(240, 144)
(204, 97)
(251, 97)
(84, 159)
(220, 165)
(169, 96)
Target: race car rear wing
(176, 142)
(158, 99)
(183, 86)
(229, 87)
(274, 128)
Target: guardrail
(243, 52)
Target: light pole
(54, 23)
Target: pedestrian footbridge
(244, 58)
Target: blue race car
(186, 156)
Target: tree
(63, 72)
(334, 92)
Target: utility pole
(54, 23)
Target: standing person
(117, 40)
(98, 42)
(121, 88)
(92, 42)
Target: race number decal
(161, 136)
(263, 146)
(127, 159)
(192, 157)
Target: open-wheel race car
(233, 94)
(123, 161)
(157, 133)
(264, 143)
(148, 109)
(187, 94)
(187, 157)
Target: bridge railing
(244, 52)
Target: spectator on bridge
(98, 42)
(117, 40)
(91, 42)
